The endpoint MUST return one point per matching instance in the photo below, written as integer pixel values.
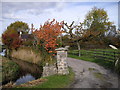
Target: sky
(39, 12)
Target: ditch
(27, 72)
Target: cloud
(16, 6)
(60, 0)
(119, 15)
(38, 12)
(10, 9)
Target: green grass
(57, 81)
(102, 62)
(99, 75)
(82, 50)
(109, 49)
(106, 56)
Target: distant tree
(97, 22)
(112, 31)
(63, 40)
(19, 26)
(47, 35)
(75, 33)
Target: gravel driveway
(91, 75)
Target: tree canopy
(19, 26)
(10, 38)
(97, 21)
(47, 35)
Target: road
(91, 75)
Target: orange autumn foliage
(48, 34)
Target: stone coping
(62, 49)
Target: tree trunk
(61, 42)
(8, 53)
(78, 48)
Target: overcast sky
(39, 12)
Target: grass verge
(103, 57)
(102, 62)
(56, 81)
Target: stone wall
(49, 70)
(61, 67)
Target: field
(104, 57)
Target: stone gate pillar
(61, 61)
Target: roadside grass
(87, 57)
(102, 52)
(99, 51)
(56, 81)
(109, 49)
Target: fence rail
(101, 54)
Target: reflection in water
(24, 79)
(3, 52)
(28, 71)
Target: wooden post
(114, 56)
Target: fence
(101, 54)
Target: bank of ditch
(57, 81)
(26, 54)
(53, 81)
(10, 70)
(33, 55)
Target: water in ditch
(28, 72)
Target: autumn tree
(47, 35)
(11, 40)
(19, 26)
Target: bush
(46, 57)
(27, 43)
